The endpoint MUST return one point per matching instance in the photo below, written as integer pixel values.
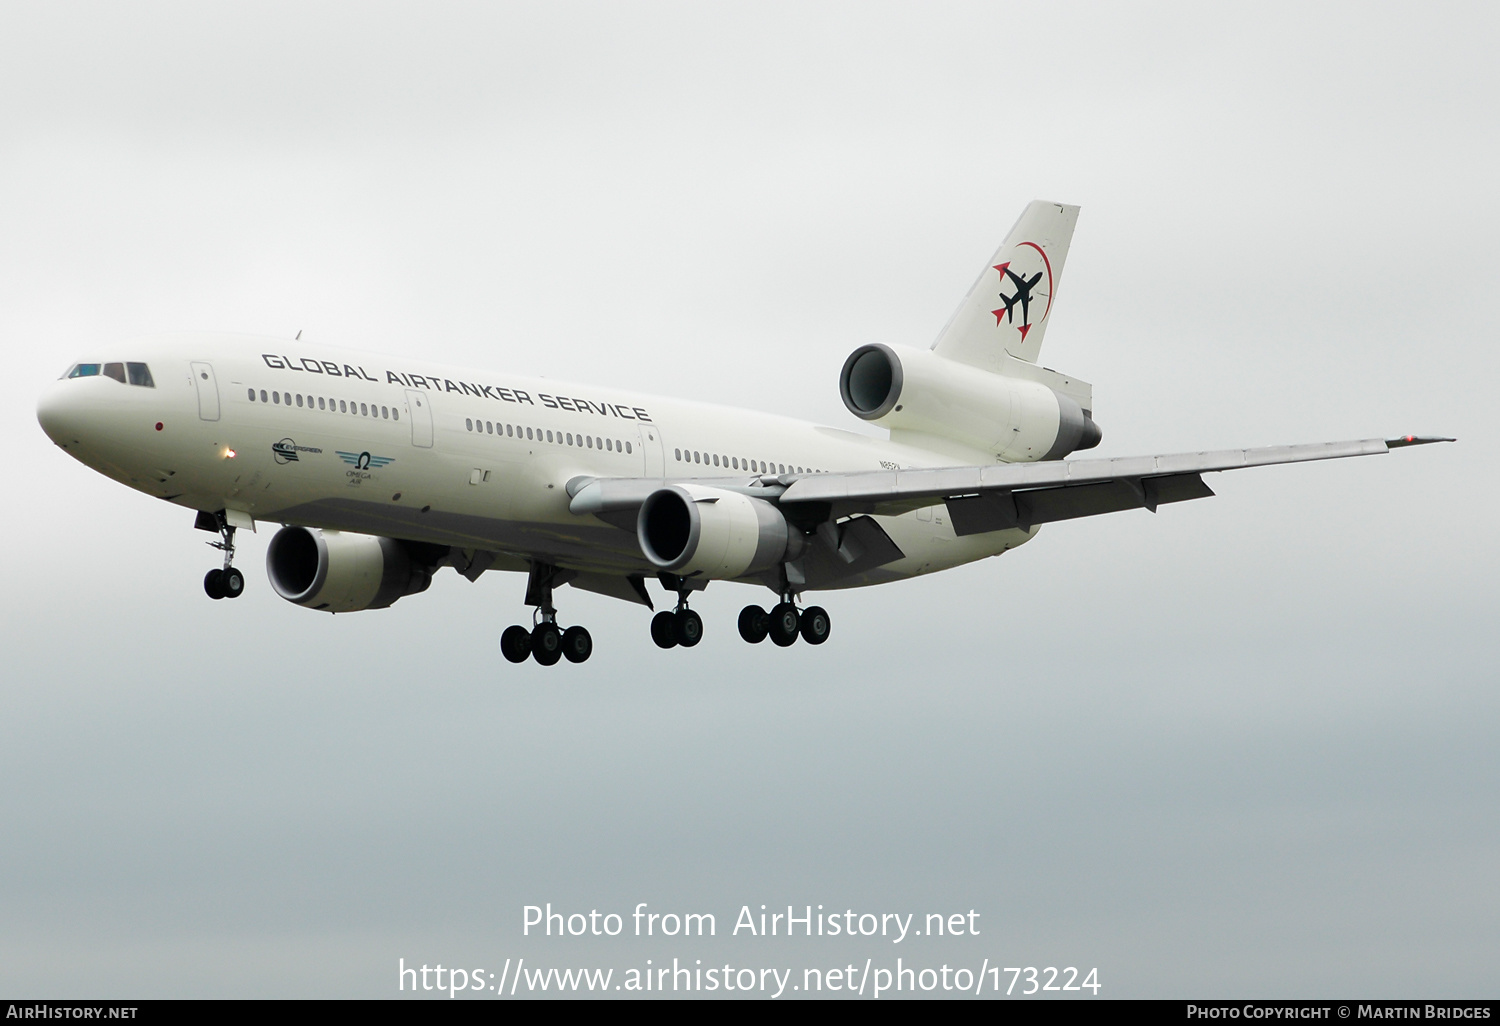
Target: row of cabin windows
(735, 463)
(124, 373)
(332, 405)
(486, 427)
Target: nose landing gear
(227, 582)
(545, 641)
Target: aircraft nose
(59, 412)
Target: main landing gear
(680, 626)
(227, 582)
(783, 624)
(545, 642)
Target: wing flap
(1000, 511)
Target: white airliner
(382, 470)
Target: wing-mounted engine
(690, 529)
(342, 572)
(1032, 414)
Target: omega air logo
(286, 450)
(363, 463)
(1027, 275)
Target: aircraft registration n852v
(382, 470)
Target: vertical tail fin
(1006, 311)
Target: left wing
(988, 498)
(1012, 495)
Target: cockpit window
(133, 373)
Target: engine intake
(341, 572)
(1016, 418)
(690, 529)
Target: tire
(213, 584)
(664, 629)
(689, 628)
(233, 583)
(815, 625)
(755, 624)
(515, 644)
(784, 624)
(546, 644)
(577, 644)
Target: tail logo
(1029, 276)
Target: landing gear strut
(545, 642)
(680, 626)
(226, 582)
(783, 624)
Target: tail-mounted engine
(691, 529)
(341, 572)
(1019, 419)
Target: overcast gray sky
(1245, 747)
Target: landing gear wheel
(664, 629)
(755, 624)
(515, 644)
(232, 583)
(213, 584)
(577, 645)
(815, 625)
(689, 628)
(784, 624)
(546, 643)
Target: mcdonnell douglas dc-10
(383, 470)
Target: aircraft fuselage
(296, 433)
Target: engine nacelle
(916, 390)
(341, 572)
(689, 529)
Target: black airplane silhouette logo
(1022, 296)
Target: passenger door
(419, 412)
(656, 464)
(208, 391)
